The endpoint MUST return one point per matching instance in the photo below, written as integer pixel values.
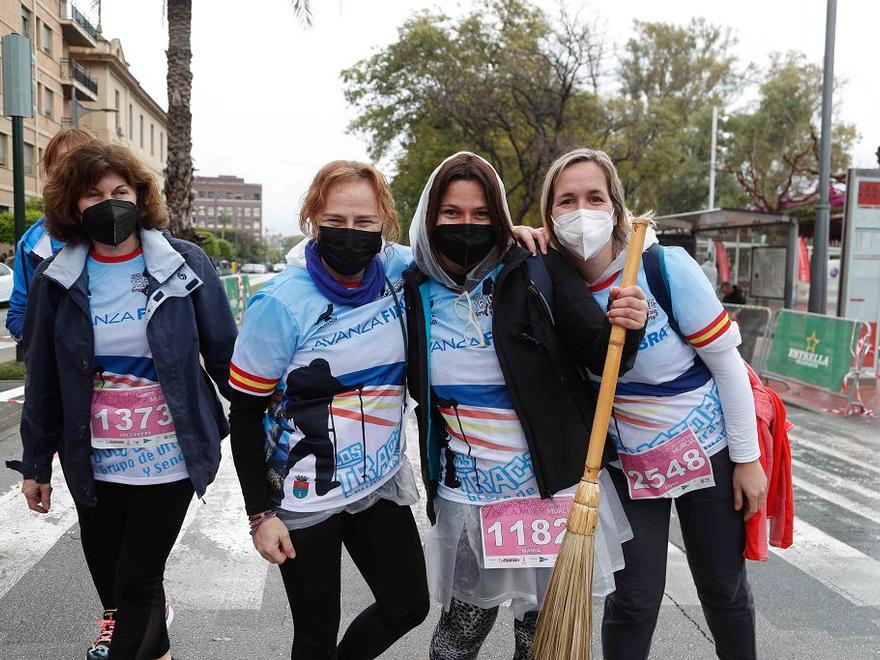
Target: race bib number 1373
(130, 418)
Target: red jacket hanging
(773, 427)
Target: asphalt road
(819, 599)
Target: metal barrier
(824, 352)
(238, 292)
(754, 326)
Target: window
(48, 101)
(256, 213)
(28, 159)
(161, 146)
(247, 212)
(152, 140)
(3, 149)
(257, 196)
(25, 22)
(117, 106)
(130, 122)
(142, 132)
(46, 39)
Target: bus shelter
(756, 250)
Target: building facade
(228, 202)
(74, 63)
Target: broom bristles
(565, 620)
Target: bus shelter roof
(694, 222)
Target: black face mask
(464, 244)
(110, 222)
(348, 251)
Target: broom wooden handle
(605, 400)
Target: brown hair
(468, 167)
(66, 138)
(622, 214)
(80, 169)
(343, 171)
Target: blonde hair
(615, 190)
(344, 171)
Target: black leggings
(384, 543)
(714, 537)
(463, 628)
(126, 540)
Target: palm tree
(178, 167)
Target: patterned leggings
(461, 631)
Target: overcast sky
(267, 101)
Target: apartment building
(228, 202)
(73, 61)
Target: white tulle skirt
(454, 557)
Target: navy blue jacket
(188, 317)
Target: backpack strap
(655, 272)
(540, 278)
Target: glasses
(464, 310)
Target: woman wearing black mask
(118, 327)
(317, 420)
(504, 413)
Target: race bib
(676, 467)
(523, 532)
(131, 418)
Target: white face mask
(584, 231)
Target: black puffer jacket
(542, 353)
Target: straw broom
(565, 621)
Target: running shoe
(101, 648)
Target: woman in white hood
(497, 340)
(684, 418)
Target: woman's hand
(749, 485)
(38, 496)
(532, 238)
(272, 540)
(629, 309)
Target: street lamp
(712, 154)
(77, 110)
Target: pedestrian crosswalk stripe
(27, 536)
(857, 455)
(838, 566)
(216, 546)
(835, 496)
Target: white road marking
(859, 456)
(214, 565)
(28, 536)
(838, 566)
(14, 393)
(834, 496)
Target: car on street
(5, 283)
(254, 268)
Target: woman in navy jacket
(116, 327)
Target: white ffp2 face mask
(584, 231)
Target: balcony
(75, 27)
(74, 75)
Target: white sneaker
(169, 616)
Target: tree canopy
(507, 81)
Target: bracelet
(259, 519)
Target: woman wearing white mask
(684, 419)
(495, 340)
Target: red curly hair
(80, 169)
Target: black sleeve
(248, 441)
(582, 324)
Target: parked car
(254, 268)
(5, 283)
(277, 268)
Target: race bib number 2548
(677, 466)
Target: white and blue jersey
(124, 361)
(335, 373)
(669, 390)
(487, 457)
